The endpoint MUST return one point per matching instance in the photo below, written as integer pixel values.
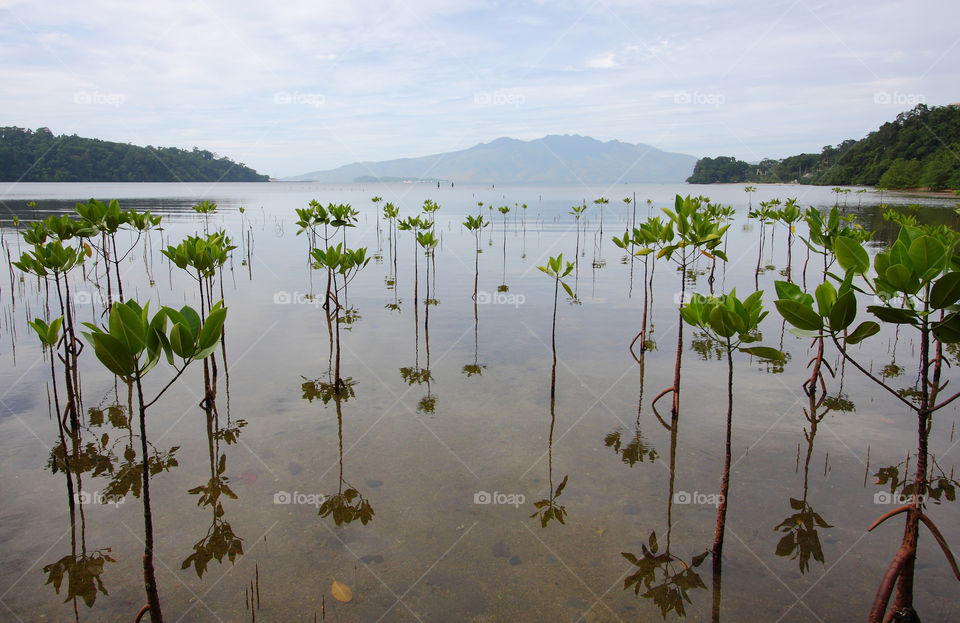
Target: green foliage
(918, 148)
(691, 228)
(131, 333)
(915, 281)
(51, 258)
(202, 254)
(475, 223)
(902, 174)
(720, 170)
(731, 321)
(556, 268)
(39, 156)
(347, 262)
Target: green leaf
(210, 333)
(181, 341)
(826, 296)
(851, 255)
(112, 353)
(567, 289)
(764, 352)
(126, 324)
(929, 257)
(902, 279)
(787, 290)
(799, 315)
(723, 321)
(946, 290)
(948, 331)
(844, 311)
(863, 331)
(893, 314)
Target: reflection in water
(800, 540)
(347, 504)
(219, 540)
(82, 567)
(548, 509)
(665, 578)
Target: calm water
(425, 455)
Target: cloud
(308, 85)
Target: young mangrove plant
(53, 259)
(917, 283)
(642, 242)
(347, 263)
(789, 215)
(548, 508)
(690, 232)
(732, 323)
(749, 190)
(129, 346)
(476, 225)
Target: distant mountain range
(553, 159)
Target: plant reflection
(800, 540)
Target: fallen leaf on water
(340, 591)
(600, 531)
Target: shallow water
(425, 454)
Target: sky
(291, 87)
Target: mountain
(917, 149)
(39, 156)
(553, 159)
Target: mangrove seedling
(129, 346)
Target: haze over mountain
(553, 159)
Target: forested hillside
(920, 148)
(39, 156)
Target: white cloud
(374, 80)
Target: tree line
(920, 148)
(40, 156)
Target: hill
(920, 148)
(39, 156)
(553, 159)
